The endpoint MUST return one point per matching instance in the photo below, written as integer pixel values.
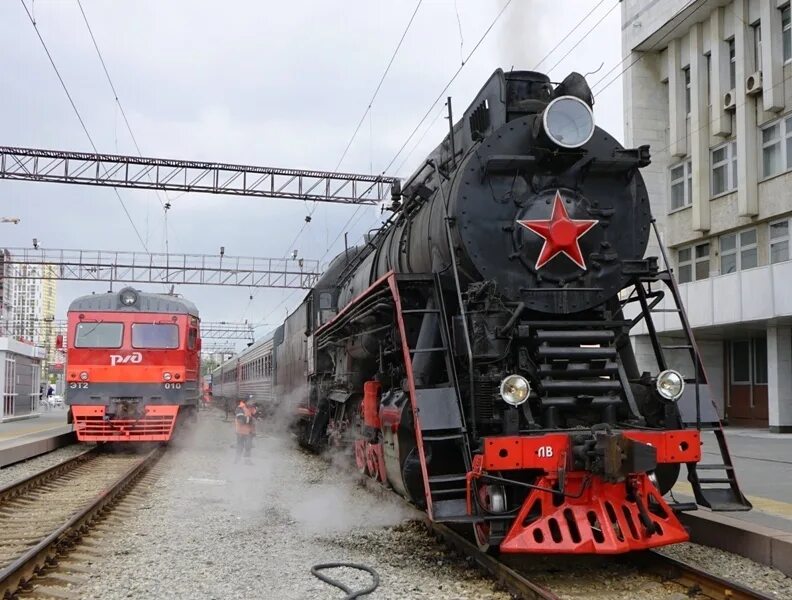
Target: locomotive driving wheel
(492, 498)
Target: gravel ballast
(210, 528)
(21, 470)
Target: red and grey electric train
(132, 366)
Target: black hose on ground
(350, 594)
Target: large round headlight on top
(515, 389)
(128, 297)
(568, 122)
(670, 385)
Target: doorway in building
(746, 381)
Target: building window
(686, 71)
(724, 168)
(777, 147)
(757, 36)
(749, 362)
(732, 65)
(693, 262)
(759, 361)
(681, 185)
(738, 251)
(741, 362)
(779, 241)
(786, 33)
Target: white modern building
(32, 306)
(708, 86)
(6, 292)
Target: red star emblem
(561, 235)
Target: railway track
(44, 515)
(678, 579)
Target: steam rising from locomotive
(475, 352)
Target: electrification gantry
(60, 166)
(182, 269)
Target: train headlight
(128, 297)
(167, 376)
(84, 375)
(515, 389)
(568, 122)
(670, 385)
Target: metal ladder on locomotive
(701, 414)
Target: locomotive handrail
(463, 314)
(671, 283)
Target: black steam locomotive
(475, 351)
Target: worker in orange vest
(245, 430)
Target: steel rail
(694, 579)
(698, 580)
(17, 488)
(24, 569)
(510, 579)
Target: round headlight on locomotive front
(84, 375)
(670, 385)
(515, 389)
(128, 297)
(166, 376)
(568, 122)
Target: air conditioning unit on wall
(753, 83)
(729, 102)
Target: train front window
(99, 335)
(155, 335)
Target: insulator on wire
(307, 218)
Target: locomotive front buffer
(597, 492)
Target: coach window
(192, 338)
(99, 335)
(155, 335)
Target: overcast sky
(264, 83)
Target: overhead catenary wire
(570, 32)
(79, 117)
(428, 112)
(448, 85)
(165, 205)
(439, 97)
(362, 119)
(591, 29)
(640, 56)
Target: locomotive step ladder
(438, 410)
(721, 491)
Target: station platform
(26, 438)
(763, 464)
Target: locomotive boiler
(475, 351)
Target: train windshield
(99, 335)
(155, 335)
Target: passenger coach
(249, 375)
